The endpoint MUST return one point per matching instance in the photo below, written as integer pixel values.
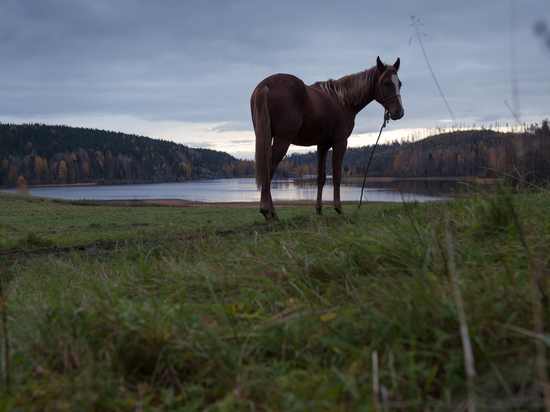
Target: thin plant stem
(514, 65)
(6, 339)
(464, 332)
(536, 308)
(375, 381)
(430, 67)
(539, 344)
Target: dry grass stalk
(464, 332)
(6, 341)
(375, 381)
(539, 330)
(537, 268)
(523, 331)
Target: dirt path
(225, 205)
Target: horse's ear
(396, 64)
(381, 66)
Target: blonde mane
(354, 89)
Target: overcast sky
(184, 70)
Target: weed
(32, 240)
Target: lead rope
(386, 119)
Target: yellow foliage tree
(40, 166)
(62, 171)
(21, 187)
(100, 158)
(186, 169)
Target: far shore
(344, 180)
(56, 185)
(394, 179)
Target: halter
(385, 99)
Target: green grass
(65, 223)
(210, 309)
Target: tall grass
(288, 316)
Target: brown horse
(285, 111)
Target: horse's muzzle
(397, 113)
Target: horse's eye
(387, 84)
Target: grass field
(165, 308)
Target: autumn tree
(21, 187)
(62, 171)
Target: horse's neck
(357, 108)
(354, 91)
(362, 92)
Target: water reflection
(244, 190)
(391, 191)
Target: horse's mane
(352, 90)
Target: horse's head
(388, 90)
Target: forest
(476, 152)
(45, 155)
(42, 154)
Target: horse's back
(282, 81)
(284, 89)
(286, 96)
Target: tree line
(42, 154)
(479, 152)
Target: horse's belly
(321, 133)
(310, 140)
(313, 132)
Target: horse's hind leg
(266, 203)
(267, 208)
(278, 151)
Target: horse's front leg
(321, 177)
(337, 158)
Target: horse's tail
(262, 129)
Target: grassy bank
(138, 308)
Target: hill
(481, 152)
(61, 154)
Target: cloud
(186, 70)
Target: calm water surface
(244, 190)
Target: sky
(184, 71)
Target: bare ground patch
(224, 205)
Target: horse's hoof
(266, 214)
(319, 210)
(339, 210)
(270, 216)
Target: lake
(244, 190)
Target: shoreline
(59, 185)
(344, 180)
(395, 179)
(214, 205)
